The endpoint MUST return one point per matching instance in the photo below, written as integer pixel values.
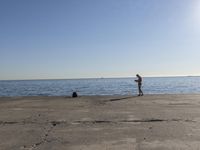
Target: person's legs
(140, 90)
(141, 93)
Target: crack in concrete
(44, 139)
(152, 120)
(55, 123)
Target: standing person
(139, 81)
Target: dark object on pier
(74, 94)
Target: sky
(61, 39)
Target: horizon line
(167, 76)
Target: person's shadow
(123, 98)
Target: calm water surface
(111, 86)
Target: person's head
(137, 75)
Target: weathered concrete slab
(151, 122)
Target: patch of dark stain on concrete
(94, 122)
(8, 122)
(55, 123)
(144, 120)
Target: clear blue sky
(42, 39)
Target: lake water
(110, 86)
